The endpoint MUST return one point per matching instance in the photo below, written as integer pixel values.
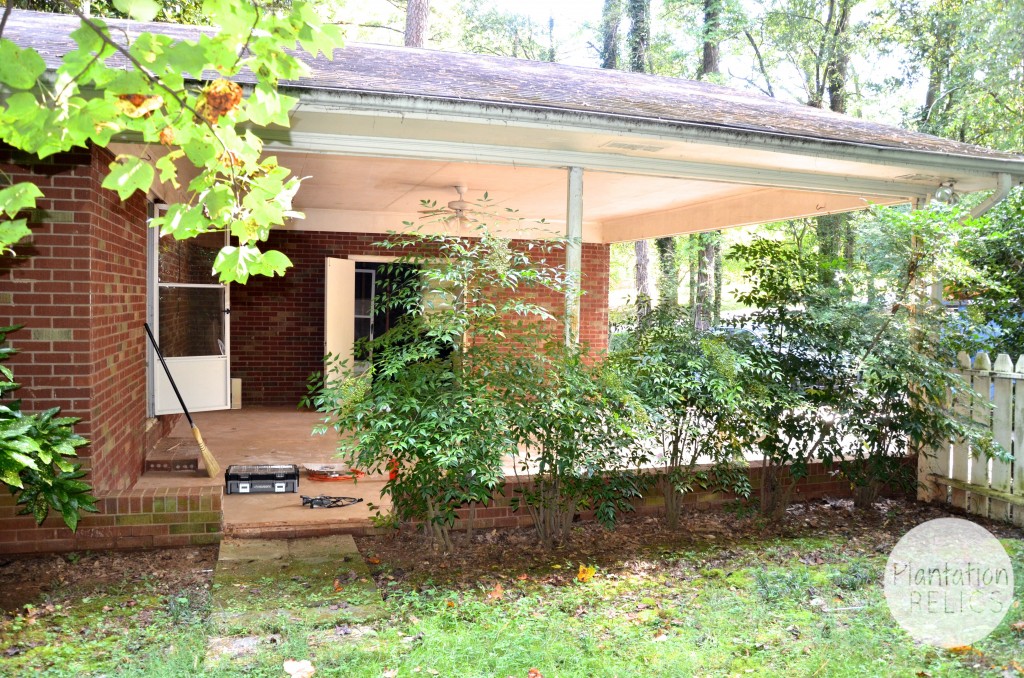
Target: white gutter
(1004, 184)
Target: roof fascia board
(546, 117)
(421, 149)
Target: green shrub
(36, 452)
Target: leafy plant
(794, 378)
(36, 452)
(691, 395)
(574, 422)
(426, 410)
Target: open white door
(191, 324)
(339, 308)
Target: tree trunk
(710, 56)
(702, 310)
(828, 231)
(668, 282)
(611, 18)
(639, 38)
(716, 309)
(417, 14)
(838, 67)
(692, 265)
(642, 275)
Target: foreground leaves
(159, 98)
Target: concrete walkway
(268, 591)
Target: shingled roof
(521, 84)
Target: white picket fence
(982, 486)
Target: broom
(212, 467)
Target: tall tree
(486, 30)
(639, 42)
(417, 16)
(668, 272)
(711, 62)
(611, 19)
(707, 303)
(639, 37)
(971, 55)
(814, 37)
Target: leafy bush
(857, 384)
(689, 387)
(426, 411)
(35, 454)
(574, 422)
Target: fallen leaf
(523, 577)
(373, 561)
(961, 649)
(497, 593)
(299, 669)
(586, 573)
(389, 673)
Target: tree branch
(760, 62)
(7, 13)
(156, 81)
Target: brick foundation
(818, 483)
(277, 324)
(127, 519)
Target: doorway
(189, 313)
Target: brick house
(603, 156)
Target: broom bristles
(212, 467)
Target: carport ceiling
(397, 186)
(378, 194)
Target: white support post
(573, 254)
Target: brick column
(79, 289)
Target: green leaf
(140, 10)
(70, 514)
(168, 170)
(11, 232)
(18, 197)
(19, 68)
(274, 263)
(128, 174)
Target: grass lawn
(723, 597)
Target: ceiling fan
(456, 208)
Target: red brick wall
(127, 519)
(79, 288)
(277, 333)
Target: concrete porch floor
(267, 435)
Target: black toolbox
(261, 478)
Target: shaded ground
(409, 558)
(726, 595)
(23, 580)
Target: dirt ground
(406, 556)
(411, 558)
(23, 579)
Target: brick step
(173, 454)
